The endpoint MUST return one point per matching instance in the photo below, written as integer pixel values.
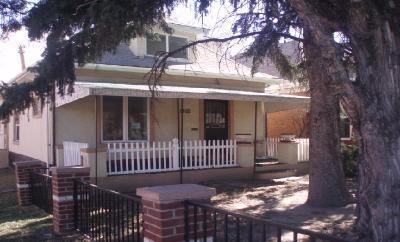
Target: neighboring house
(112, 124)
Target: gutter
(175, 72)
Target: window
(157, 42)
(112, 118)
(16, 127)
(137, 118)
(176, 43)
(125, 118)
(36, 108)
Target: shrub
(349, 159)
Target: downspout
(96, 129)
(53, 112)
(178, 112)
(181, 142)
(255, 137)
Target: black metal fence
(41, 190)
(204, 222)
(107, 215)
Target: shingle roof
(207, 60)
(124, 56)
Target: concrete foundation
(128, 183)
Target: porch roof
(277, 102)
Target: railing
(200, 154)
(72, 153)
(302, 149)
(148, 157)
(272, 147)
(204, 222)
(41, 190)
(107, 215)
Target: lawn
(19, 223)
(283, 200)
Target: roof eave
(174, 72)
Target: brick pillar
(63, 196)
(163, 210)
(22, 174)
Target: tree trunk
(374, 34)
(327, 184)
(376, 46)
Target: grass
(18, 223)
(7, 179)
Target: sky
(10, 64)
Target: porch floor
(283, 200)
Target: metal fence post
(186, 207)
(75, 204)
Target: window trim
(15, 125)
(167, 46)
(125, 121)
(38, 103)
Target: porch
(120, 130)
(124, 158)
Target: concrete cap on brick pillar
(72, 169)
(174, 193)
(28, 163)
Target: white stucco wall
(76, 122)
(166, 119)
(34, 141)
(244, 114)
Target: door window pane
(345, 128)
(112, 118)
(137, 118)
(156, 43)
(176, 43)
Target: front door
(215, 119)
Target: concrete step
(268, 175)
(275, 167)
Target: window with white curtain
(124, 118)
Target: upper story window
(156, 43)
(124, 118)
(162, 43)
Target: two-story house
(205, 121)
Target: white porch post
(175, 153)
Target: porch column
(97, 168)
(163, 210)
(60, 155)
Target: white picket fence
(72, 153)
(160, 156)
(303, 149)
(272, 147)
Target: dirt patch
(283, 200)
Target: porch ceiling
(275, 102)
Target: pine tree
(79, 31)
